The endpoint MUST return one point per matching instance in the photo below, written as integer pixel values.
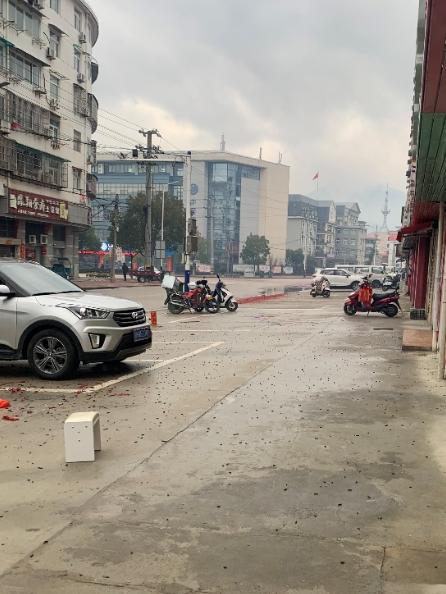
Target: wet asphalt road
(293, 450)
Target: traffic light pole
(187, 239)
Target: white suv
(337, 277)
(55, 325)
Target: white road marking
(214, 330)
(96, 387)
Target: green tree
(132, 225)
(256, 250)
(311, 264)
(295, 258)
(88, 240)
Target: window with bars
(77, 141)
(80, 102)
(55, 127)
(22, 19)
(25, 68)
(55, 42)
(54, 87)
(26, 115)
(77, 179)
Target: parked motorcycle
(224, 297)
(391, 282)
(320, 288)
(364, 300)
(198, 298)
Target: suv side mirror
(6, 291)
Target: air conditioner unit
(82, 38)
(32, 239)
(80, 77)
(44, 240)
(51, 53)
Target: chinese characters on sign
(25, 203)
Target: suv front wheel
(52, 355)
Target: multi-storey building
(47, 117)
(303, 223)
(231, 197)
(325, 245)
(350, 234)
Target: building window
(55, 5)
(77, 20)
(77, 179)
(54, 87)
(55, 127)
(55, 43)
(77, 141)
(220, 172)
(77, 60)
(24, 68)
(79, 100)
(100, 168)
(23, 19)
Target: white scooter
(224, 297)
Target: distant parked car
(339, 278)
(149, 274)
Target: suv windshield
(33, 279)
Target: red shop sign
(35, 205)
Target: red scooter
(385, 303)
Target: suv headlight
(87, 313)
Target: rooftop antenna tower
(223, 143)
(386, 211)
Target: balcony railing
(93, 107)
(31, 165)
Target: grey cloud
(287, 70)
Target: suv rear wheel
(52, 355)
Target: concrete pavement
(301, 453)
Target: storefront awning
(414, 229)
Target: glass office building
(231, 197)
(126, 178)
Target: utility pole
(115, 227)
(162, 231)
(188, 242)
(148, 155)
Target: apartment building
(351, 234)
(47, 116)
(330, 232)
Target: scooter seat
(379, 296)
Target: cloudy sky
(327, 83)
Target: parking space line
(214, 330)
(101, 386)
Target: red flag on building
(316, 176)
